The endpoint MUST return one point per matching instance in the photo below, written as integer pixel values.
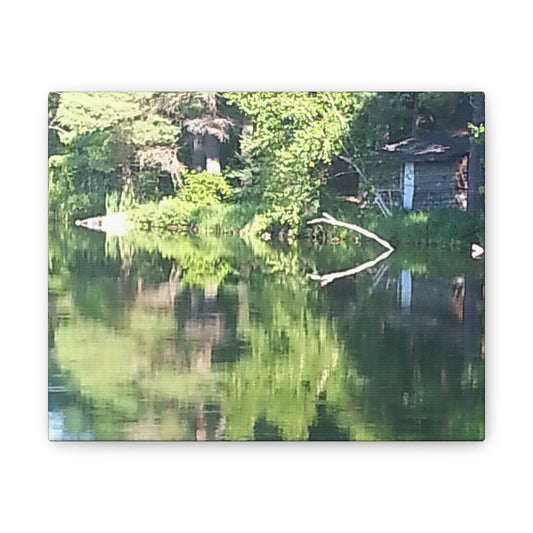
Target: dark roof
(430, 147)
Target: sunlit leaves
(87, 112)
(102, 133)
(477, 132)
(295, 135)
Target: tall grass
(448, 227)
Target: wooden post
(408, 185)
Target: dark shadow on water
(266, 432)
(325, 428)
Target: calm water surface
(205, 338)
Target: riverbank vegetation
(258, 164)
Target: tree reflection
(219, 339)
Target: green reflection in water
(162, 338)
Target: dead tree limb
(325, 279)
(328, 219)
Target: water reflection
(159, 338)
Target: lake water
(208, 338)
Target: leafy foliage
(66, 198)
(102, 133)
(295, 136)
(117, 151)
(477, 132)
(204, 188)
(200, 190)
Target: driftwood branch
(325, 279)
(328, 219)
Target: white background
(258, 486)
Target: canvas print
(253, 266)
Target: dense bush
(201, 196)
(204, 188)
(66, 200)
(169, 213)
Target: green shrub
(168, 213)
(200, 191)
(204, 188)
(224, 219)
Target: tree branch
(56, 128)
(328, 219)
(325, 279)
(339, 116)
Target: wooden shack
(423, 172)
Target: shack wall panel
(434, 185)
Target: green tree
(105, 135)
(294, 136)
(389, 117)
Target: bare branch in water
(328, 219)
(325, 279)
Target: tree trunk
(198, 153)
(415, 115)
(212, 153)
(476, 158)
(126, 196)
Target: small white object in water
(115, 224)
(476, 251)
